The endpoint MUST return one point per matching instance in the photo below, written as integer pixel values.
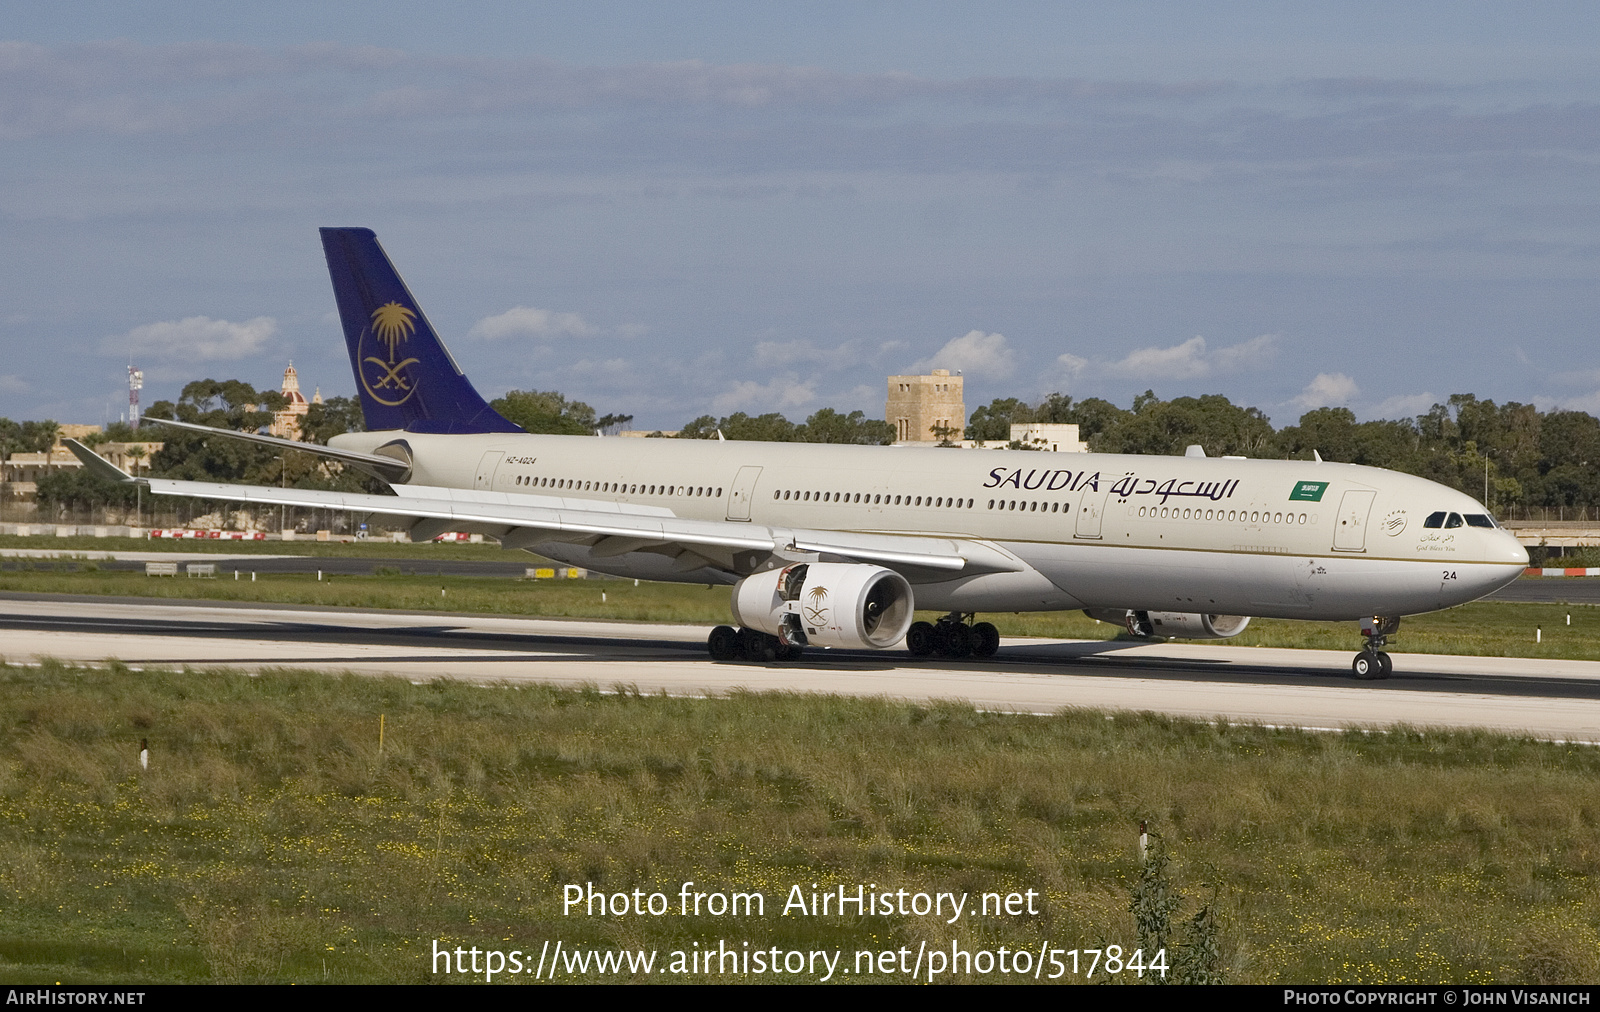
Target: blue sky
(680, 209)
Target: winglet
(99, 466)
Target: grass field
(1501, 629)
(317, 549)
(271, 840)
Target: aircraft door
(744, 486)
(1091, 511)
(486, 469)
(1350, 527)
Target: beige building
(286, 423)
(133, 458)
(21, 471)
(1061, 437)
(926, 409)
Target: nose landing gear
(953, 636)
(1372, 662)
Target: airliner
(836, 546)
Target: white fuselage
(1269, 538)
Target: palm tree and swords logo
(392, 323)
(816, 606)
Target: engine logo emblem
(816, 607)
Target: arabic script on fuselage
(1125, 487)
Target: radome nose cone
(1515, 551)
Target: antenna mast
(135, 384)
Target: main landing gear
(1372, 662)
(953, 636)
(729, 644)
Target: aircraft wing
(612, 529)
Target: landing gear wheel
(920, 639)
(1372, 662)
(985, 640)
(957, 640)
(724, 643)
(789, 651)
(760, 647)
(1367, 666)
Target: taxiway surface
(1302, 688)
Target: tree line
(549, 412)
(1512, 454)
(222, 404)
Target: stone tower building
(926, 409)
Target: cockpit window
(1434, 519)
(1479, 520)
(1453, 520)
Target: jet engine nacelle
(827, 604)
(1176, 624)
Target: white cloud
(869, 398)
(783, 392)
(1575, 377)
(14, 385)
(1587, 402)
(610, 373)
(1193, 360)
(1403, 406)
(196, 338)
(525, 321)
(127, 87)
(1181, 361)
(1070, 365)
(1328, 389)
(1250, 354)
(973, 354)
(774, 354)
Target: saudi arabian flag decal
(1308, 491)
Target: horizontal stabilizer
(387, 468)
(97, 465)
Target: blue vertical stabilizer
(406, 377)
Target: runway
(1300, 688)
